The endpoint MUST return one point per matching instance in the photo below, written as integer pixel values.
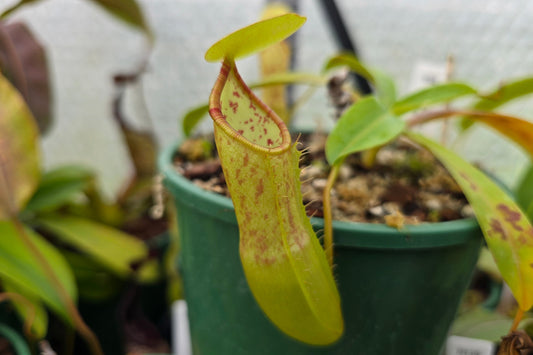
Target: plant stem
(328, 220)
(80, 325)
(518, 317)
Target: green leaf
(365, 125)
(529, 211)
(385, 87)
(19, 151)
(112, 248)
(30, 309)
(291, 78)
(254, 38)
(284, 263)
(59, 186)
(15, 7)
(504, 94)
(508, 233)
(193, 117)
(382, 83)
(482, 324)
(350, 61)
(95, 283)
(524, 189)
(433, 95)
(21, 268)
(501, 96)
(127, 11)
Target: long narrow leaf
(499, 97)
(59, 186)
(508, 233)
(430, 96)
(518, 130)
(112, 248)
(505, 93)
(290, 78)
(20, 267)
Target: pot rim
(346, 234)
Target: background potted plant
(368, 124)
(71, 260)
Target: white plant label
(428, 73)
(457, 345)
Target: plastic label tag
(456, 345)
(426, 74)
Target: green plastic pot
(400, 289)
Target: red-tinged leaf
(506, 93)
(284, 264)
(19, 151)
(516, 129)
(508, 233)
(24, 64)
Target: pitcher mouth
(254, 125)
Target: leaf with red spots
(284, 263)
(195, 115)
(508, 232)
